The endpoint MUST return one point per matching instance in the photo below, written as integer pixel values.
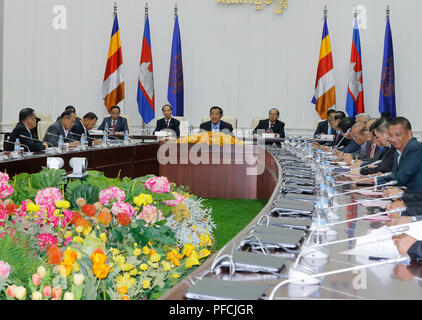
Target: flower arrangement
(133, 239)
(210, 138)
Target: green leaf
(85, 191)
(117, 235)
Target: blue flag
(175, 90)
(387, 92)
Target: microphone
(23, 145)
(76, 134)
(50, 134)
(347, 132)
(366, 178)
(373, 163)
(304, 275)
(22, 136)
(391, 183)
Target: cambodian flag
(146, 96)
(175, 94)
(387, 92)
(354, 101)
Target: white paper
(378, 203)
(370, 193)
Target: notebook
(293, 223)
(217, 289)
(273, 240)
(291, 205)
(301, 181)
(303, 197)
(294, 188)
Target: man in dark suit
(272, 124)
(116, 124)
(216, 124)
(27, 122)
(78, 124)
(62, 128)
(88, 123)
(326, 126)
(168, 123)
(387, 150)
(407, 169)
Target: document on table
(370, 193)
(376, 203)
(379, 242)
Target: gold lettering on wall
(279, 5)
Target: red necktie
(271, 126)
(372, 150)
(114, 125)
(167, 124)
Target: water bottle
(105, 135)
(60, 144)
(126, 138)
(319, 215)
(18, 147)
(84, 142)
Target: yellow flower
(78, 239)
(143, 267)
(136, 252)
(76, 267)
(68, 234)
(155, 257)
(146, 284)
(205, 240)
(122, 290)
(204, 253)
(114, 251)
(133, 272)
(32, 207)
(120, 259)
(175, 276)
(63, 270)
(62, 204)
(126, 267)
(56, 212)
(191, 262)
(146, 250)
(153, 265)
(143, 200)
(79, 229)
(166, 265)
(103, 237)
(87, 231)
(188, 250)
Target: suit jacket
(415, 251)
(277, 128)
(78, 130)
(223, 126)
(386, 165)
(352, 147)
(408, 172)
(121, 124)
(410, 198)
(20, 129)
(337, 138)
(56, 130)
(322, 128)
(173, 125)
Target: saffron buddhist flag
(146, 96)
(114, 85)
(387, 100)
(175, 94)
(325, 90)
(354, 101)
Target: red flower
(11, 208)
(89, 210)
(54, 255)
(123, 219)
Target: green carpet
(232, 216)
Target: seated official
(168, 122)
(272, 124)
(216, 124)
(326, 126)
(387, 150)
(78, 124)
(372, 152)
(88, 123)
(117, 125)
(62, 128)
(357, 147)
(363, 117)
(345, 126)
(27, 122)
(338, 116)
(407, 169)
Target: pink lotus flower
(4, 270)
(158, 185)
(178, 199)
(150, 215)
(122, 207)
(108, 195)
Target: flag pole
(176, 11)
(387, 12)
(115, 9)
(146, 11)
(325, 12)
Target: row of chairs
(46, 121)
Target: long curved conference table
(230, 180)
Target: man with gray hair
(363, 117)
